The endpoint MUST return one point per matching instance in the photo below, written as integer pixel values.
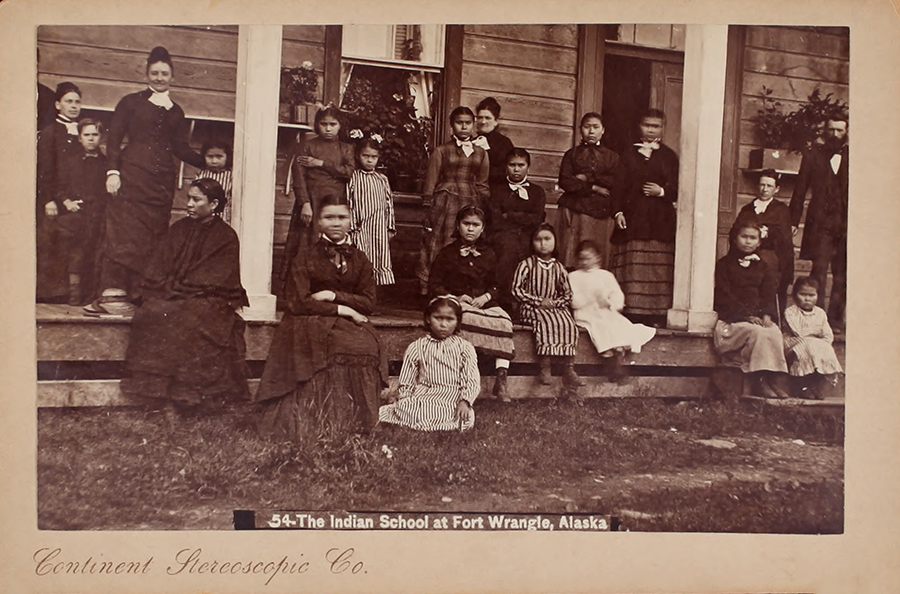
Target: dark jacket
(744, 291)
(827, 210)
(647, 217)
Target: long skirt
(749, 346)
(511, 246)
(555, 332)
(443, 225)
(808, 355)
(339, 399)
(52, 279)
(428, 408)
(645, 269)
(489, 330)
(189, 351)
(137, 218)
(572, 228)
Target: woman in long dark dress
(187, 339)
(325, 369)
(57, 145)
(141, 179)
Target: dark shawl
(470, 275)
(187, 327)
(647, 217)
(741, 291)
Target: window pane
(409, 43)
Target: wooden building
(707, 78)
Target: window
(658, 36)
(390, 80)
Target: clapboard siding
(562, 35)
(792, 61)
(489, 50)
(531, 71)
(301, 43)
(109, 62)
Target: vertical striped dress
(435, 376)
(224, 179)
(372, 217)
(555, 332)
(808, 342)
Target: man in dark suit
(824, 170)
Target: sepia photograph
(442, 268)
(304, 289)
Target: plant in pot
(299, 88)
(785, 136)
(378, 101)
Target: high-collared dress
(324, 373)
(643, 254)
(555, 331)
(372, 220)
(435, 376)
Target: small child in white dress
(597, 303)
(808, 341)
(439, 380)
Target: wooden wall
(299, 44)
(531, 71)
(792, 61)
(108, 62)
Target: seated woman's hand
(480, 302)
(72, 205)
(546, 303)
(767, 321)
(349, 312)
(51, 210)
(756, 320)
(465, 299)
(323, 296)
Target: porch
(80, 360)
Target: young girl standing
(457, 176)
(541, 286)
(597, 302)
(439, 380)
(466, 269)
(321, 166)
(808, 340)
(57, 145)
(745, 335)
(217, 165)
(372, 209)
(516, 208)
(587, 175)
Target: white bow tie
(466, 145)
(482, 141)
(71, 127)
(647, 148)
(519, 188)
(161, 99)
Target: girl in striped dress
(541, 286)
(217, 158)
(372, 210)
(439, 379)
(807, 341)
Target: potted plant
(378, 102)
(784, 136)
(299, 88)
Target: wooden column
(705, 56)
(255, 140)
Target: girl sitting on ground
(808, 341)
(466, 269)
(541, 286)
(439, 379)
(597, 303)
(745, 335)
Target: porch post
(255, 140)
(705, 52)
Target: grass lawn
(768, 469)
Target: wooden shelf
(295, 126)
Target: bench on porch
(80, 359)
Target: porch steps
(672, 365)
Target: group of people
(487, 258)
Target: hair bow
(746, 260)
(466, 146)
(647, 148)
(519, 188)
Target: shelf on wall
(295, 126)
(778, 171)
